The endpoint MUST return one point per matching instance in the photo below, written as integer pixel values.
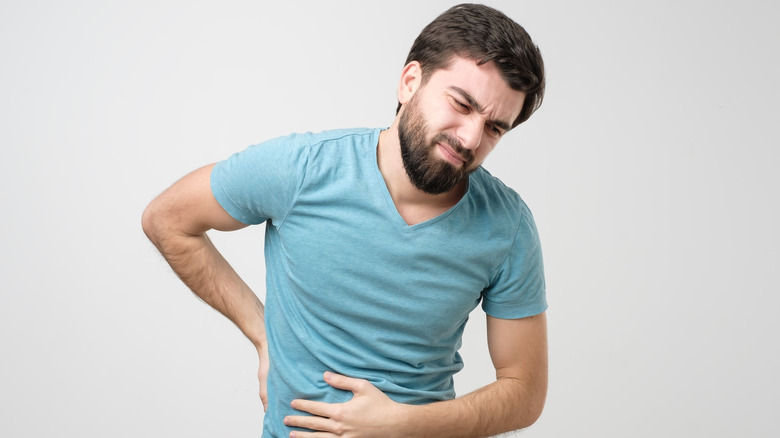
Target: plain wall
(651, 170)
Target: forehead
(483, 83)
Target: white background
(651, 169)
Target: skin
(176, 222)
(467, 102)
(447, 101)
(473, 104)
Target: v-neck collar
(393, 210)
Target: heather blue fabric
(353, 289)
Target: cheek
(443, 115)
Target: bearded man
(379, 243)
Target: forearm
(198, 263)
(518, 349)
(505, 405)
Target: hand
(262, 374)
(370, 413)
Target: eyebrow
(477, 107)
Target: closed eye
(495, 130)
(460, 105)
(495, 127)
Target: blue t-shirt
(352, 288)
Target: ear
(411, 78)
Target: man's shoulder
(490, 190)
(316, 145)
(336, 135)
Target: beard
(425, 169)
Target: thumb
(344, 382)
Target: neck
(414, 204)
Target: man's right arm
(176, 222)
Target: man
(379, 243)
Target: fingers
(337, 419)
(320, 409)
(313, 424)
(262, 377)
(346, 383)
(263, 390)
(264, 398)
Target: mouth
(449, 154)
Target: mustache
(466, 154)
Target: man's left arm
(518, 349)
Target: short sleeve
(518, 289)
(263, 181)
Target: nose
(470, 132)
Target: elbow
(533, 415)
(527, 417)
(535, 408)
(538, 399)
(150, 222)
(163, 225)
(530, 404)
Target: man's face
(451, 123)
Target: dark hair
(483, 34)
